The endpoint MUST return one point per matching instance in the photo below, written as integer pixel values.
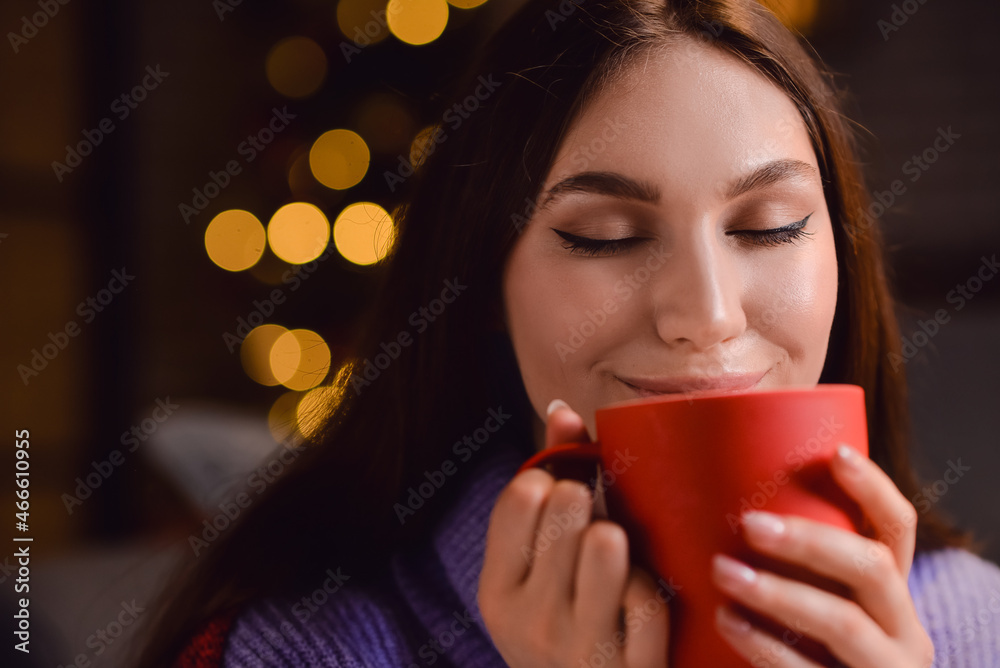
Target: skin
(712, 308)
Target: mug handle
(580, 454)
(584, 453)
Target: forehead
(687, 114)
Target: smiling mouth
(731, 382)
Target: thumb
(564, 425)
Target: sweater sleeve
(957, 597)
(357, 628)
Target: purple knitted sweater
(424, 612)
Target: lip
(728, 382)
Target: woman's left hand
(879, 627)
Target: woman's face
(681, 242)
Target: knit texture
(424, 612)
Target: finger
(556, 546)
(647, 622)
(864, 565)
(846, 630)
(892, 515)
(758, 647)
(564, 425)
(513, 524)
(601, 579)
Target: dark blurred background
(127, 127)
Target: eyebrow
(771, 173)
(613, 184)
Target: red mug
(679, 470)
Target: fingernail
(764, 526)
(733, 574)
(730, 622)
(554, 405)
(849, 457)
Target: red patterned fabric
(205, 648)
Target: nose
(698, 300)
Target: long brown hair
(467, 202)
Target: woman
(697, 140)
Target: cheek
(794, 304)
(560, 316)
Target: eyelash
(604, 247)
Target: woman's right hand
(556, 589)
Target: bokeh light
(300, 359)
(296, 67)
(362, 21)
(255, 353)
(364, 233)
(313, 407)
(796, 14)
(417, 22)
(339, 159)
(298, 232)
(465, 4)
(282, 419)
(235, 240)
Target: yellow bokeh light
(465, 4)
(796, 14)
(282, 418)
(313, 407)
(286, 353)
(363, 233)
(298, 232)
(362, 21)
(417, 21)
(308, 352)
(235, 240)
(339, 159)
(255, 353)
(296, 67)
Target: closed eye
(775, 237)
(597, 247)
